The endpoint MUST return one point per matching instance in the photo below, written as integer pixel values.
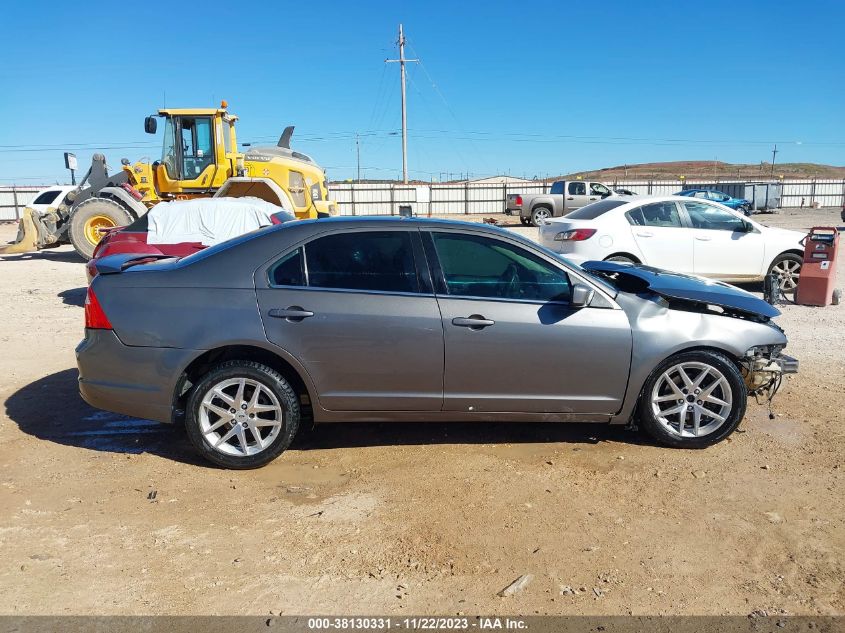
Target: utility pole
(402, 61)
(774, 153)
(358, 154)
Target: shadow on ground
(73, 296)
(51, 409)
(48, 255)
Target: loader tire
(91, 216)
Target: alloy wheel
(787, 272)
(691, 399)
(240, 416)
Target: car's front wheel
(787, 268)
(242, 414)
(693, 400)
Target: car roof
(392, 220)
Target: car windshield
(594, 210)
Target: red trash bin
(818, 271)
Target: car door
(513, 341)
(353, 309)
(724, 245)
(576, 196)
(661, 237)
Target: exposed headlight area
(763, 367)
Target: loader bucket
(27, 239)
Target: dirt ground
(105, 514)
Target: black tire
(271, 381)
(787, 267)
(621, 259)
(540, 213)
(88, 211)
(524, 221)
(665, 433)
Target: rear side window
(373, 260)
(557, 187)
(595, 209)
(663, 214)
(577, 188)
(288, 271)
(47, 197)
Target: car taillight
(95, 318)
(519, 200)
(575, 235)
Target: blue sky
(530, 88)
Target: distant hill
(708, 169)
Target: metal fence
(478, 198)
(13, 199)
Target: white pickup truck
(564, 197)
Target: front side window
(557, 187)
(372, 260)
(577, 188)
(477, 266)
(46, 198)
(700, 194)
(168, 150)
(598, 189)
(197, 146)
(706, 216)
(663, 214)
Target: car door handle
(703, 239)
(645, 234)
(593, 198)
(570, 198)
(291, 313)
(474, 322)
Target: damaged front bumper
(763, 369)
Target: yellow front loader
(199, 154)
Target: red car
(186, 218)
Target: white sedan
(679, 234)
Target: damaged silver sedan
(388, 319)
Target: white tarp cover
(208, 221)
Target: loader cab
(198, 150)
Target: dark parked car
(374, 319)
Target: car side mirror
(150, 125)
(581, 296)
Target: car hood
(637, 278)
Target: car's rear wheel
(524, 221)
(693, 400)
(242, 414)
(621, 259)
(787, 268)
(540, 215)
